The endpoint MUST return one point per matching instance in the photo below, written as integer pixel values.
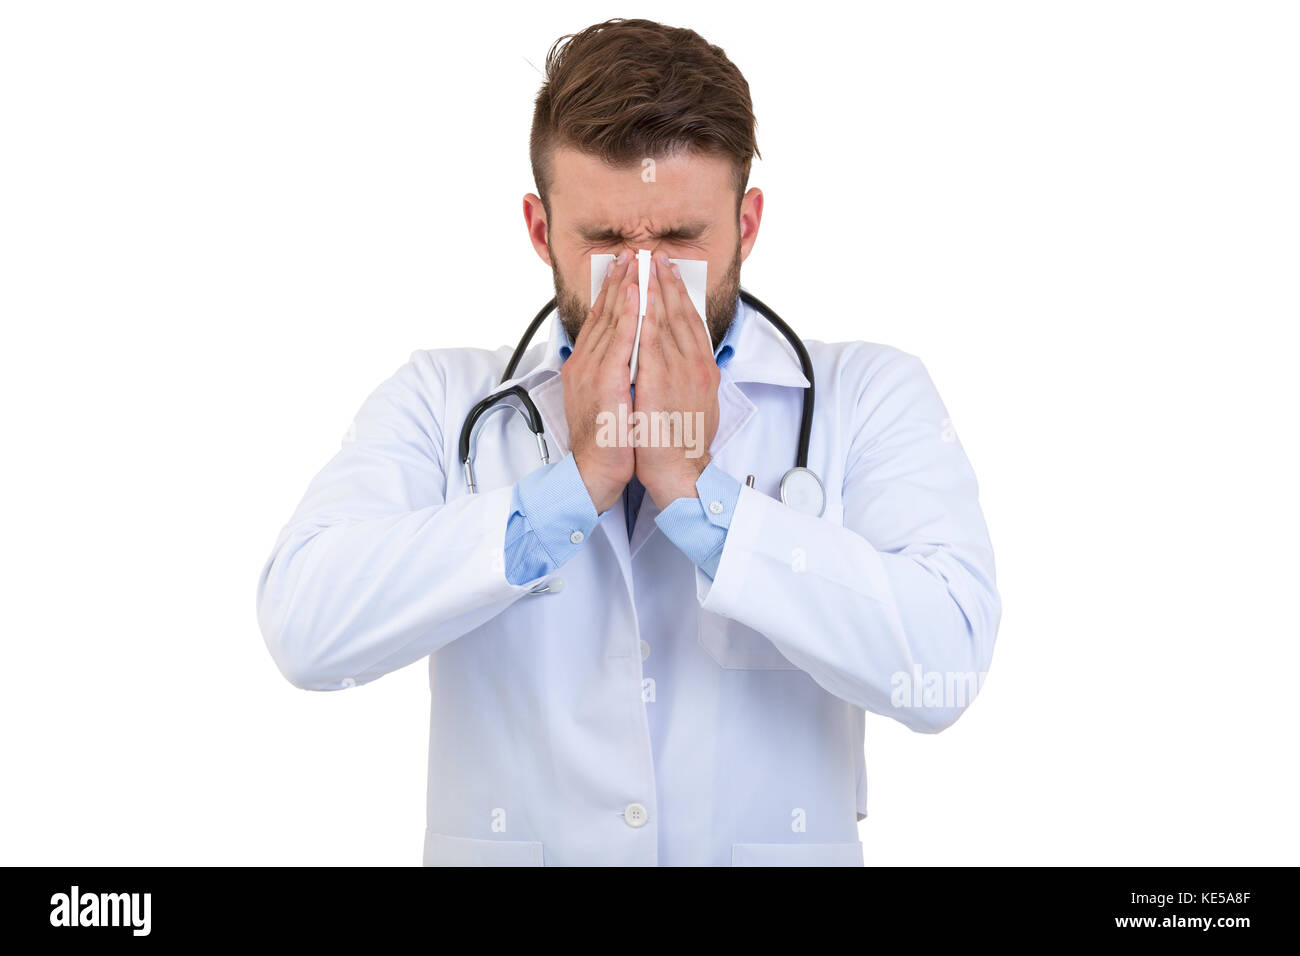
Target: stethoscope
(801, 489)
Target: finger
(674, 328)
(597, 311)
(619, 349)
(622, 313)
(683, 321)
(651, 366)
(611, 299)
(614, 349)
(654, 335)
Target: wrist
(665, 489)
(602, 489)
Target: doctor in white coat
(635, 658)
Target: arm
(551, 517)
(376, 569)
(899, 597)
(698, 525)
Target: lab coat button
(635, 815)
(716, 507)
(645, 650)
(576, 537)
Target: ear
(538, 229)
(751, 215)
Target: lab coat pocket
(733, 645)
(441, 849)
(797, 854)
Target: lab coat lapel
(735, 411)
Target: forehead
(659, 191)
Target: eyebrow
(604, 234)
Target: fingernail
(622, 257)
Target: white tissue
(694, 276)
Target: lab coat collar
(763, 355)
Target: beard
(719, 304)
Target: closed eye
(597, 236)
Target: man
(634, 656)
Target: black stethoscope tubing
(534, 418)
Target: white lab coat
(644, 714)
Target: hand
(595, 377)
(676, 386)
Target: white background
(223, 224)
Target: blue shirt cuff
(551, 515)
(698, 526)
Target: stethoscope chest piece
(802, 490)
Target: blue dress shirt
(552, 513)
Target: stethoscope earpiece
(493, 403)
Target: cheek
(720, 261)
(573, 276)
(718, 267)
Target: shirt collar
(722, 355)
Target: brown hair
(625, 90)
